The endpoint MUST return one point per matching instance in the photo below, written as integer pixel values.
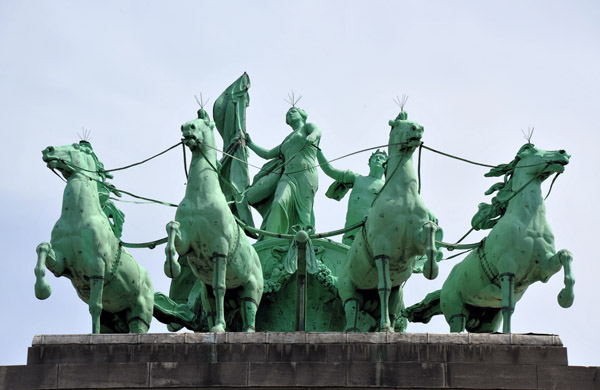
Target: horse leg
(352, 301)
(384, 289)
(208, 304)
(218, 285)
(396, 307)
(172, 267)
(430, 269)
(566, 295)
(454, 310)
(507, 286)
(139, 316)
(42, 288)
(251, 295)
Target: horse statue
(85, 249)
(206, 232)
(398, 231)
(519, 251)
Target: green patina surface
(287, 281)
(85, 249)
(482, 290)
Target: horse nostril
(562, 151)
(49, 149)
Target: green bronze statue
(398, 231)
(364, 189)
(285, 190)
(483, 289)
(85, 248)
(205, 231)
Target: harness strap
(486, 266)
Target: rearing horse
(483, 289)
(84, 249)
(205, 230)
(398, 231)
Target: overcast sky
(477, 73)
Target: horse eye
(193, 127)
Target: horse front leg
(218, 281)
(172, 268)
(42, 288)
(384, 289)
(430, 269)
(507, 285)
(566, 295)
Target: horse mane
(116, 217)
(488, 214)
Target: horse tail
(424, 310)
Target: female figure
(294, 195)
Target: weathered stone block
(28, 377)
(297, 352)
(411, 374)
(74, 354)
(286, 337)
(101, 376)
(511, 354)
(337, 352)
(245, 337)
(206, 338)
(114, 338)
(272, 374)
(451, 338)
(176, 374)
(490, 338)
(534, 339)
(413, 338)
(325, 337)
(367, 338)
(491, 376)
(161, 338)
(241, 352)
(65, 339)
(575, 378)
(320, 374)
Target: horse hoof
(565, 298)
(172, 269)
(430, 272)
(218, 329)
(42, 290)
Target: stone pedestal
(298, 360)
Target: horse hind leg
(251, 295)
(351, 300)
(139, 316)
(454, 310)
(384, 289)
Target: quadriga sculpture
(519, 251)
(398, 231)
(85, 249)
(204, 230)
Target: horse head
(405, 135)
(72, 159)
(533, 162)
(529, 164)
(199, 132)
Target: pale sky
(477, 73)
